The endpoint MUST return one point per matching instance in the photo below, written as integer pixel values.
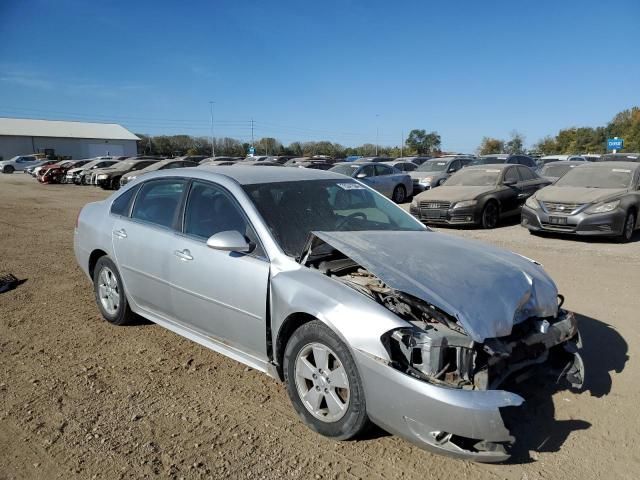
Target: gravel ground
(80, 398)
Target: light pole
(377, 133)
(213, 148)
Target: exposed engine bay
(435, 347)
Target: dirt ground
(80, 398)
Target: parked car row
(576, 197)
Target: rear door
(143, 243)
(217, 293)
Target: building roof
(24, 127)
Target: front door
(219, 294)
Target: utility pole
(252, 132)
(213, 148)
(401, 141)
(377, 133)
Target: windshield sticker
(441, 163)
(492, 171)
(351, 186)
(620, 170)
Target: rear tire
(109, 293)
(399, 194)
(490, 215)
(628, 228)
(323, 382)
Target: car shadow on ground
(534, 424)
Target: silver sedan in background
(389, 181)
(321, 282)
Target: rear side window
(120, 205)
(528, 161)
(409, 167)
(158, 201)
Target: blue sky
(335, 70)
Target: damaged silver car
(323, 283)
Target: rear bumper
(599, 224)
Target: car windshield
(488, 160)
(291, 210)
(474, 177)
(556, 170)
(597, 178)
(432, 166)
(548, 160)
(345, 169)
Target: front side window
(367, 171)
(210, 210)
(511, 175)
(383, 170)
(526, 173)
(158, 202)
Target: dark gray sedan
(600, 198)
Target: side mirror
(509, 183)
(361, 175)
(229, 241)
(451, 170)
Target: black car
(478, 195)
(525, 160)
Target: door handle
(183, 255)
(120, 233)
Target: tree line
(625, 125)
(418, 142)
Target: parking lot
(80, 398)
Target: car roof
(495, 155)
(492, 166)
(248, 175)
(567, 162)
(612, 164)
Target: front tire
(8, 169)
(109, 293)
(323, 382)
(490, 215)
(399, 194)
(628, 228)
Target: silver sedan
(323, 283)
(389, 181)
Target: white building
(19, 136)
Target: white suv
(18, 163)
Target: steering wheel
(346, 219)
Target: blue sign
(615, 143)
(252, 150)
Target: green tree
(490, 145)
(515, 144)
(423, 143)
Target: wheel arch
(93, 259)
(288, 327)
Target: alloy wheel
(490, 215)
(109, 291)
(322, 382)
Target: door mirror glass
(229, 241)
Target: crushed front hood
(487, 289)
